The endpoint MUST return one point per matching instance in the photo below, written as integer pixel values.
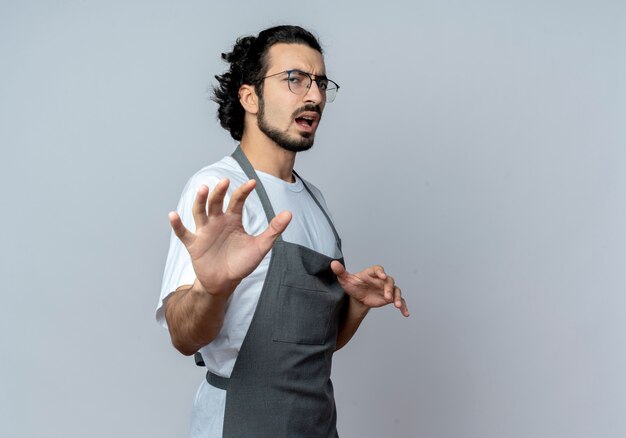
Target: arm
(222, 254)
(353, 315)
(369, 288)
(194, 317)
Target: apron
(280, 385)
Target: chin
(296, 146)
(300, 142)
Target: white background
(476, 149)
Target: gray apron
(280, 385)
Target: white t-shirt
(308, 227)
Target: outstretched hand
(371, 287)
(222, 253)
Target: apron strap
(243, 161)
(332, 226)
(217, 381)
(198, 358)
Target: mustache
(308, 108)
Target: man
(265, 298)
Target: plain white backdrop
(476, 149)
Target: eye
(296, 77)
(323, 84)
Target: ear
(249, 99)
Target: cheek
(276, 108)
(282, 112)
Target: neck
(266, 156)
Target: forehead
(282, 56)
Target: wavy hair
(248, 65)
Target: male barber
(255, 281)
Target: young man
(264, 298)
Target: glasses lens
(298, 82)
(331, 91)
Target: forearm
(350, 322)
(194, 317)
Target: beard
(302, 143)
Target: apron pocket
(305, 310)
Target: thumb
(274, 229)
(181, 232)
(279, 224)
(338, 269)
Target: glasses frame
(317, 80)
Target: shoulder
(210, 175)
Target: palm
(365, 288)
(221, 251)
(371, 287)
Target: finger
(397, 296)
(239, 196)
(267, 238)
(400, 302)
(404, 309)
(181, 232)
(216, 198)
(199, 206)
(389, 288)
(376, 271)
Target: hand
(370, 287)
(222, 253)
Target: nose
(314, 94)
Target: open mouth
(305, 121)
(308, 120)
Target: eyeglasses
(299, 82)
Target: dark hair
(248, 65)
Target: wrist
(358, 309)
(216, 296)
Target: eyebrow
(316, 76)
